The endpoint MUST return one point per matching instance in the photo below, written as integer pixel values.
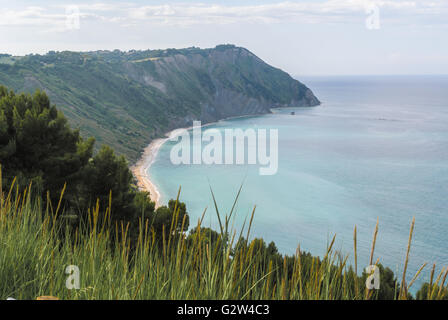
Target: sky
(309, 37)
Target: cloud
(29, 16)
(45, 19)
(309, 11)
(188, 14)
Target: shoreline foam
(141, 167)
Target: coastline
(141, 167)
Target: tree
(165, 216)
(207, 236)
(389, 286)
(436, 292)
(143, 205)
(105, 176)
(37, 144)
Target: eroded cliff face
(125, 99)
(229, 81)
(227, 103)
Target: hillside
(125, 99)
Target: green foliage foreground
(123, 246)
(36, 246)
(37, 145)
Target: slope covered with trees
(61, 205)
(125, 99)
(38, 146)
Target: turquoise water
(376, 148)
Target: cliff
(125, 99)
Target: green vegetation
(62, 205)
(37, 146)
(125, 99)
(37, 244)
(8, 59)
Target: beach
(141, 168)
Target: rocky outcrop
(230, 81)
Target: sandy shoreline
(140, 169)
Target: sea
(376, 149)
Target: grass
(36, 246)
